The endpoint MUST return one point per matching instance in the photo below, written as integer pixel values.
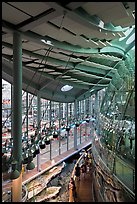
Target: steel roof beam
(63, 63)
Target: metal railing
(121, 171)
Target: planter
(37, 151)
(42, 144)
(47, 142)
(87, 120)
(77, 124)
(25, 158)
(67, 128)
(34, 154)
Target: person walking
(77, 172)
(83, 169)
(72, 190)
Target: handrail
(103, 164)
(26, 193)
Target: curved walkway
(84, 188)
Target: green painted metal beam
(24, 79)
(72, 65)
(57, 96)
(29, 35)
(95, 20)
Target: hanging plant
(47, 140)
(42, 144)
(33, 150)
(55, 134)
(37, 150)
(68, 128)
(87, 120)
(25, 157)
(77, 124)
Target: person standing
(77, 172)
(72, 190)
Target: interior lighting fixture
(119, 34)
(126, 33)
(66, 88)
(101, 24)
(91, 90)
(130, 39)
(47, 42)
(102, 43)
(94, 43)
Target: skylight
(66, 88)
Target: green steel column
(90, 106)
(11, 111)
(97, 111)
(90, 112)
(59, 128)
(96, 103)
(50, 129)
(80, 119)
(39, 128)
(84, 107)
(67, 131)
(27, 111)
(17, 114)
(75, 128)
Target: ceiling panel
(94, 8)
(114, 13)
(32, 9)
(75, 42)
(7, 51)
(12, 15)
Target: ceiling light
(66, 88)
(94, 42)
(102, 43)
(48, 42)
(130, 39)
(119, 34)
(91, 90)
(101, 24)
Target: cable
(28, 86)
